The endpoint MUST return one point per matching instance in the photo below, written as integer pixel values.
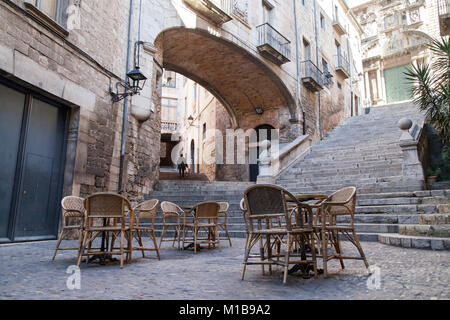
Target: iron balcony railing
(310, 70)
(169, 126)
(342, 63)
(269, 35)
(443, 7)
(224, 5)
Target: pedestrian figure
(181, 165)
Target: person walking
(181, 165)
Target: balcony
(169, 126)
(216, 11)
(444, 16)
(342, 66)
(338, 25)
(312, 77)
(273, 45)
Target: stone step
(434, 219)
(417, 242)
(412, 208)
(403, 200)
(440, 231)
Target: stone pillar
(366, 80)
(412, 167)
(379, 88)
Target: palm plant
(431, 88)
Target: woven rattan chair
(170, 212)
(145, 211)
(205, 216)
(72, 208)
(223, 220)
(112, 209)
(266, 204)
(340, 203)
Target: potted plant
(433, 174)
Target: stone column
(411, 167)
(366, 80)
(379, 88)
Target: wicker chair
(205, 211)
(223, 224)
(112, 209)
(145, 211)
(171, 211)
(340, 203)
(266, 205)
(71, 208)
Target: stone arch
(238, 79)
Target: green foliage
(431, 88)
(433, 172)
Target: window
(322, 21)
(339, 86)
(326, 74)
(171, 79)
(55, 9)
(306, 50)
(204, 131)
(169, 109)
(267, 13)
(304, 2)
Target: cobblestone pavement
(26, 272)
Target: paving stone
(28, 273)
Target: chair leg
(61, 235)
(155, 244)
(325, 253)
(361, 251)
(162, 234)
(174, 238)
(179, 235)
(195, 239)
(313, 251)
(140, 243)
(228, 235)
(247, 253)
(82, 247)
(184, 237)
(269, 253)
(286, 258)
(122, 238)
(217, 238)
(337, 247)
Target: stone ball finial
(405, 124)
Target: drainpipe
(298, 70)
(317, 64)
(125, 103)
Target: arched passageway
(240, 81)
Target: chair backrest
(265, 200)
(269, 201)
(106, 205)
(146, 209)
(346, 196)
(170, 208)
(224, 206)
(244, 213)
(72, 203)
(207, 210)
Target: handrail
(443, 7)
(310, 70)
(342, 62)
(269, 35)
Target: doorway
(262, 132)
(193, 156)
(32, 131)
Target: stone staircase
(363, 152)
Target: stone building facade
(396, 34)
(61, 62)
(323, 26)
